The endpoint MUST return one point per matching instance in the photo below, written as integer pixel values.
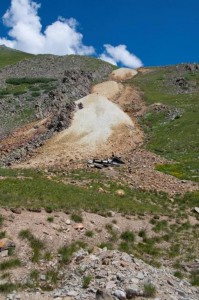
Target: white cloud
(61, 37)
(120, 54)
(108, 59)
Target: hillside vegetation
(171, 123)
(146, 208)
(10, 56)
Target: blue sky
(158, 32)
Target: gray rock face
(73, 77)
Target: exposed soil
(101, 126)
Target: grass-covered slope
(172, 129)
(10, 56)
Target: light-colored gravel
(123, 74)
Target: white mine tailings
(123, 74)
(99, 127)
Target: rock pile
(109, 275)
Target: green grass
(107, 245)
(149, 290)
(76, 218)
(178, 274)
(35, 94)
(34, 275)
(36, 244)
(2, 234)
(195, 278)
(50, 219)
(176, 139)
(8, 287)
(40, 192)
(29, 80)
(67, 251)
(86, 281)
(1, 220)
(10, 264)
(128, 236)
(9, 56)
(89, 233)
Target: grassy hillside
(9, 56)
(173, 128)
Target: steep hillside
(171, 121)
(115, 232)
(43, 87)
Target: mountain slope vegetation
(172, 121)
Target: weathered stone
(6, 244)
(120, 294)
(130, 294)
(196, 209)
(140, 275)
(16, 210)
(110, 285)
(79, 226)
(72, 293)
(120, 193)
(4, 253)
(103, 295)
(42, 277)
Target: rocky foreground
(109, 275)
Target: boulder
(103, 295)
(5, 244)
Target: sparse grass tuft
(149, 290)
(1, 220)
(2, 234)
(107, 245)
(194, 278)
(128, 236)
(34, 275)
(76, 218)
(8, 287)
(10, 264)
(89, 233)
(86, 281)
(50, 219)
(142, 233)
(36, 244)
(66, 252)
(178, 274)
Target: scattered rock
(196, 209)
(16, 210)
(5, 244)
(68, 222)
(103, 295)
(120, 193)
(79, 226)
(120, 295)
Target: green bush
(128, 236)
(27, 80)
